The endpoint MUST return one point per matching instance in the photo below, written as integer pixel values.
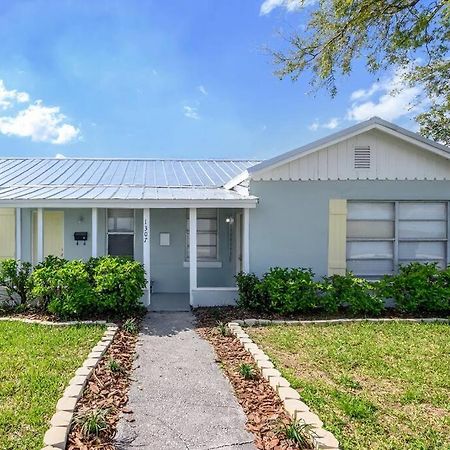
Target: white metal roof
(88, 179)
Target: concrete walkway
(180, 399)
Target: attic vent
(362, 158)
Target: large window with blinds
(207, 229)
(383, 235)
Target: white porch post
(40, 235)
(192, 253)
(18, 233)
(146, 251)
(94, 232)
(246, 241)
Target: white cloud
(9, 98)
(290, 5)
(40, 123)
(191, 112)
(330, 125)
(202, 89)
(394, 101)
(60, 156)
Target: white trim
(238, 179)
(192, 253)
(40, 235)
(246, 241)
(94, 245)
(18, 233)
(146, 236)
(205, 264)
(231, 289)
(250, 202)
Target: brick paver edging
(56, 436)
(266, 322)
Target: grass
(36, 364)
(379, 386)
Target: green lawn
(375, 386)
(36, 364)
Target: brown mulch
(210, 316)
(106, 390)
(264, 409)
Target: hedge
(417, 288)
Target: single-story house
(365, 199)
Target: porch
(190, 255)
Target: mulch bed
(264, 410)
(210, 316)
(106, 390)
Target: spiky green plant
(298, 432)
(247, 371)
(92, 422)
(114, 366)
(223, 329)
(130, 326)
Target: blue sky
(166, 79)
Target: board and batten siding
(337, 237)
(7, 233)
(390, 159)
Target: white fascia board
(250, 202)
(238, 179)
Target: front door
(53, 234)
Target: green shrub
(289, 290)
(72, 293)
(42, 279)
(419, 288)
(15, 277)
(247, 371)
(119, 284)
(357, 294)
(250, 295)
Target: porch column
(40, 235)
(18, 233)
(146, 252)
(192, 253)
(246, 241)
(94, 232)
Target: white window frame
(206, 262)
(108, 233)
(396, 239)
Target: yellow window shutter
(7, 233)
(337, 237)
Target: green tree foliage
(412, 36)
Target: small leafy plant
(130, 326)
(92, 422)
(247, 371)
(114, 366)
(223, 329)
(298, 432)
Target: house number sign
(146, 233)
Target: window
(207, 227)
(383, 235)
(121, 232)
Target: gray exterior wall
(168, 270)
(289, 227)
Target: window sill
(205, 264)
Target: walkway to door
(180, 399)
(173, 302)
